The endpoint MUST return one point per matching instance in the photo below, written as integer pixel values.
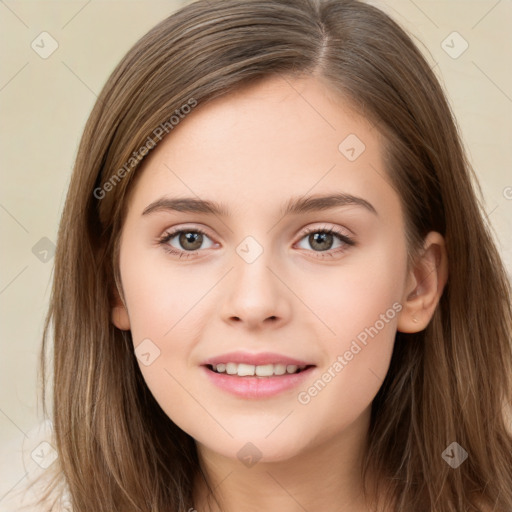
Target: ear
(425, 284)
(119, 314)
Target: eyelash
(163, 241)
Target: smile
(249, 370)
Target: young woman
(274, 288)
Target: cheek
(363, 315)
(356, 296)
(161, 298)
(167, 308)
(361, 310)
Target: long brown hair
(118, 451)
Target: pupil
(314, 240)
(186, 238)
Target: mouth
(263, 371)
(257, 375)
(262, 381)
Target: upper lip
(255, 359)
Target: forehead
(266, 142)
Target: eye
(322, 241)
(189, 241)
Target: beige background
(45, 102)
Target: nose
(256, 296)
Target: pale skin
(253, 151)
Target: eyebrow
(296, 205)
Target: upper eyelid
(176, 231)
(328, 227)
(305, 230)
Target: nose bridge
(256, 292)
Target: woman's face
(263, 286)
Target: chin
(250, 448)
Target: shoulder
(42, 488)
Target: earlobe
(425, 285)
(120, 318)
(119, 313)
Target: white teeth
(279, 369)
(245, 369)
(265, 370)
(231, 368)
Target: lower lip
(257, 387)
